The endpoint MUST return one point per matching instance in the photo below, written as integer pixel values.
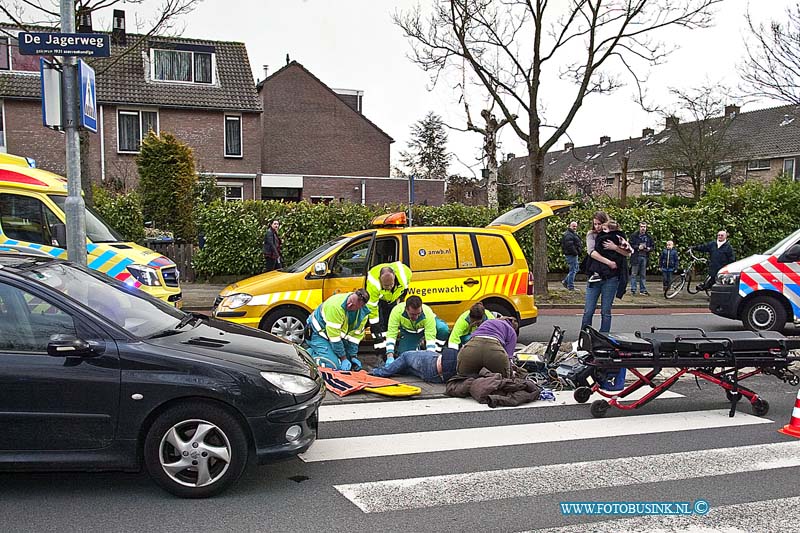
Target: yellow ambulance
(32, 216)
(452, 268)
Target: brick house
(200, 91)
(319, 146)
(766, 142)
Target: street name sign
(65, 44)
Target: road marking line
(487, 437)
(454, 489)
(438, 406)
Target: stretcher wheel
(760, 407)
(599, 408)
(582, 394)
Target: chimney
(605, 139)
(84, 21)
(731, 110)
(568, 146)
(672, 121)
(118, 28)
(266, 71)
(647, 132)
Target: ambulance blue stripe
(35, 246)
(91, 247)
(11, 242)
(104, 258)
(119, 267)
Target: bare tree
(489, 132)
(509, 45)
(771, 67)
(695, 149)
(585, 181)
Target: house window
(5, 54)
(321, 199)
(652, 182)
(609, 180)
(788, 167)
(758, 164)
(188, 66)
(2, 129)
(233, 136)
(233, 192)
(132, 127)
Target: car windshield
(312, 257)
(791, 238)
(97, 230)
(131, 309)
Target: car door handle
(470, 282)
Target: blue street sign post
(88, 95)
(64, 44)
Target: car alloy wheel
(195, 453)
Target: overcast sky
(353, 44)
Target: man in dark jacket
(642, 244)
(571, 246)
(721, 254)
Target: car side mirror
(791, 255)
(64, 345)
(59, 234)
(321, 268)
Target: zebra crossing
(403, 432)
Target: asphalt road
(432, 465)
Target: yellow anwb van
(452, 268)
(32, 215)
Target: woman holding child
(608, 250)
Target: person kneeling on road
(410, 324)
(337, 327)
(466, 324)
(491, 347)
(429, 366)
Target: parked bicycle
(684, 277)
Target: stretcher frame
(715, 359)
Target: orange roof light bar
(392, 219)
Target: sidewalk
(200, 297)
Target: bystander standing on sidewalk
(642, 244)
(571, 246)
(272, 247)
(668, 263)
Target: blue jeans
(420, 363)
(666, 275)
(638, 270)
(572, 262)
(607, 289)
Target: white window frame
(651, 178)
(225, 153)
(224, 186)
(758, 164)
(192, 52)
(142, 134)
(794, 167)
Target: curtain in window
(149, 122)
(129, 133)
(233, 136)
(202, 67)
(173, 65)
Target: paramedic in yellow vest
(466, 324)
(387, 284)
(337, 327)
(410, 324)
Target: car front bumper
(269, 431)
(725, 301)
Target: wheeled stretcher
(725, 359)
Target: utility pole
(75, 208)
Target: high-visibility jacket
(400, 323)
(344, 329)
(462, 330)
(402, 275)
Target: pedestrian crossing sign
(88, 96)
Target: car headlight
(234, 301)
(728, 279)
(290, 382)
(144, 274)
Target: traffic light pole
(75, 208)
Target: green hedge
(757, 216)
(122, 211)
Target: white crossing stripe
(486, 437)
(780, 514)
(454, 489)
(439, 406)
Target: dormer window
(182, 63)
